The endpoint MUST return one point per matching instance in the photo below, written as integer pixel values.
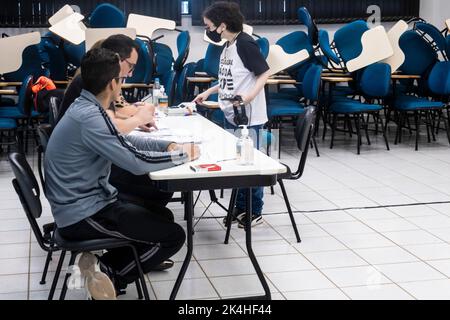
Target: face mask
(214, 36)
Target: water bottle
(163, 102)
(245, 153)
(156, 92)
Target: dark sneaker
(167, 264)
(119, 284)
(256, 220)
(234, 218)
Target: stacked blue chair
(163, 57)
(182, 89)
(55, 59)
(107, 15)
(183, 46)
(305, 18)
(144, 66)
(374, 84)
(295, 42)
(348, 40)
(212, 60)
(433, 36)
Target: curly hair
(228, 13)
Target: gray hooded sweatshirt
(79, 156)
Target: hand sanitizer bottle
(244, 148)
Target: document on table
(180, 136)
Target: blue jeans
(257, 193)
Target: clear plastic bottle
(156, 92)
(245, 153)
(163, 102)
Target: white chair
(397, 59)
(278, 60)
(94, 35)
(12, 50)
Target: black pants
(137, 189)
(157, 238)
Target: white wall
(435, 11)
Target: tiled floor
(374, 226)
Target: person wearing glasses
(78, 161)
(243, 72)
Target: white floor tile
(284, 220)
(327, 294)
(411, 237)
(190, 289)
(318, 245)
(430, 251)
(414, 211)
(332, 216)
(193, 272)
(441, 265)
(362, 241)
(14, 296)
(299, 281)
(408, 272)
(14, 283)
(14, 266)
(354, 227)
(305, 231)
(399, 224)
(284, 263)
(218, 251)
(227, 267)
(385, 255)
(259, 233)
(377, 292)
(356, 276)
(429, 290)
(372, 214)
(270, 248)
(9, 251)
(240, 286)
(432, 222)
(9, 237)
(335, 259)
(443, 234)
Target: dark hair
(225, 12)
(98, 68)
(121, 44)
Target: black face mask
(214, 36)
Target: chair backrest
(303, 133)
(264, 46)
(27, 189)
(439, 79)
(32, 63)
(311, 82)
(433, 35)
(295, 42)
(56, 62)
(212, 60)
(144, 67)
(305, 18)
(183, 46)
(25, 103)
(107, 15)
(182, 83)
(169, 83)
(447, 45)
(419, 55)
(348, 40)
(324, 43)
(164, 58)
(375, 80)
(74, 53)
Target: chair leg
(288, 206)
(416, 123)
(140, 273)
(358, 132)
(229, 214)
(427, 124)
(366, 128)
(333, 130)
(272, 190)
(384, 128)
(399, 125)
(57, 273)
(47, 263)
(315, 146)
(139, 290)
(64, 288)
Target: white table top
(394, 35)
(94, 35)
(146, 26)
(376, 47)
(12, 50)
(71, 29)
(217, 144)
(278, 60)
(62, 13)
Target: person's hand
(201, 97)
(145, 114)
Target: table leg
(248, 242)
(189, 213)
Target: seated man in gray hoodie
(78, 164)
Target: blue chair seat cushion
(352, 106)
(284, 107)
(11, 112)
(7, 124)
(408, 103)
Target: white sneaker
(99, 286)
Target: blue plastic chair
(144, 67)
(348, 40)
(8, 129)
(212, 60)
(32, 64)
(419, 55)
(54, 56)
(295, 42)
(433, 36)
(373, 83)
(182, 90)
(107, 15)
(264, 46)
(74, 53)
(23, 109)
(169, 82)
(324, 44)
(305, 18)
(163, 57)
(183, 46)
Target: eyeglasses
(132, 66)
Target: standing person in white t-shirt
(243, 72)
